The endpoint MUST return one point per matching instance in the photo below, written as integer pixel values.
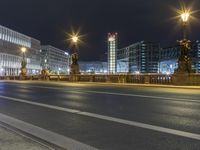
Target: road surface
(100, 116)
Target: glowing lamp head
(185, 16)
(23, 49)
(75, 39)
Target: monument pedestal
(180, 79)
(75, 69)
(45, 74)
(23, 74)
(185, 79)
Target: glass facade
(168, 66)
(168, 58)
(141, 57)
(96, 67)
(11, 43)
(112, 49)
(14, 37)
(122, 66)
(196, 56)
(55, 60)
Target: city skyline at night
(100, 75)
(49, 22)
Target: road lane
(96, 132)
(170, 113)
(108, 118)
(140, 90)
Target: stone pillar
(75, 69)
(147, 79)
(185, 79)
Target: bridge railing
(191, 79)
(140, 79)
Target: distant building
(112, 53)
(168, 60)
(96, 67)
(140, 57)
(11, 43)
(57, 61)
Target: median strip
(112, 119)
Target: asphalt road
(108, 117)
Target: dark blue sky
(134, 20)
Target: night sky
(134, 20)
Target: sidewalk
(10, 140)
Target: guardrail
(191, 79)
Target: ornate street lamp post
(74, 69)
(184, 61)
(185, 18)
(23, 63)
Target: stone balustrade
(176, 79)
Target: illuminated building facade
(140, 57)
(11, 43)
(96, 67)
(112, 53)
(168, 60)
(55, 60)
(195, 54)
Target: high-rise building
(112, 53)
(140, 57)
(11, 43)
(57, 61)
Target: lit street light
(75, 69)
(184, 61)
(75, 39)
(185, 16)
(23, 63)
(23, 49)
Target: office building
(57, 61)
(140, 57)
(11, 43)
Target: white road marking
(144, 96)
(112, 119)
(46, 135)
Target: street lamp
(75, 39)
(23, 49)
(23, 63)
(75, 69)
(184, 61)
(185, 18)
